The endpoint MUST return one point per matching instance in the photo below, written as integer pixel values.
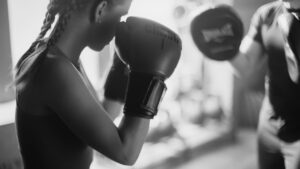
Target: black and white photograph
(150, 84)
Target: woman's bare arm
(112, 107)
(67, 95)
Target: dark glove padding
(145, 92)
(115, 87)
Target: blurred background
(206, 120)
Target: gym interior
(205, 116)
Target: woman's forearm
(133, 132)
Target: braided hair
(28, 63)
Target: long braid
(29, 62)
(49, 19)
(60, 27)
(64, 18)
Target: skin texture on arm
(112, 107)
(115, 87)
(87, 81)
(250, 64)
(67, 95)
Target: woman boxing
(59, 117)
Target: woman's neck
(71, 47)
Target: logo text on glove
(218, 35)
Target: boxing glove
(115, 86)
(151, 52)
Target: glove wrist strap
(146, 105)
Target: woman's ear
(100, 11)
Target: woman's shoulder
(56, 63)
(54, 60)
(55, 69)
